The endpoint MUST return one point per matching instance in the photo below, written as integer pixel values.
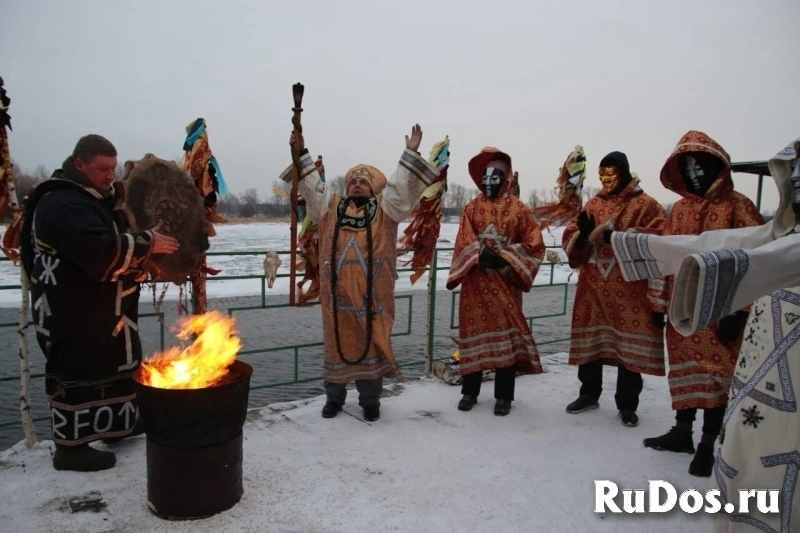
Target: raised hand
(413, 142)
(296, 142)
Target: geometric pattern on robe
(611, 318)
(85, 305)
(700, 367)
(760, 440)
(383, 214)
(493, 331)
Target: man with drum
(84, 279)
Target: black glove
(659, 319)
(731, 326)
(586, 225)
(490, 260)
(607, 236)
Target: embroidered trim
(356, 223)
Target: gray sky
(532, 78)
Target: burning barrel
(193, 404)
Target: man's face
(100, 170)
(359, 187)
(609, 178)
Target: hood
(697, 141)
(780, 166)
(619, 160)
(479, 163)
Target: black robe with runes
(85, 305)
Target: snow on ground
(423, 467)
(264, 236)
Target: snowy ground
(423, 467)
(264, 236)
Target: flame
(201, 364)
(456, 355)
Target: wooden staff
(297, 94)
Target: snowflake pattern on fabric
(752, 416)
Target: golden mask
(609, 177)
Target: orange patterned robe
(493, 331)
(383, 214)
(700, 367)
(611, 318)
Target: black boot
(82, 458)
(703, 462)
(372, 413)
(583, 403)
(629, 418)
(676, 440)
(467, 402)
(502, 407)
(331, 410)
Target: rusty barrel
(194, 445)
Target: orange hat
(376, 179)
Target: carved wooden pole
(297, 94)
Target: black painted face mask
(699, 171)
(493, 178)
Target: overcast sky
(532, 78)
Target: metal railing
(429, 336)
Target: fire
(204, 363)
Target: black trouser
(504, 381)
(629, 384)
(369, 392)
(712, 419)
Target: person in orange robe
(701, 365)
(497, 254)
(358, 266)
(612, 321)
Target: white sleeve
(311, 187)
(710, 285)
(412, 176)
(644, 256)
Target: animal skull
(553, 257)
(271, 264)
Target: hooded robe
(700, 366)
(493, 331)
(611, 319)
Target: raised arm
(412, 176)
(712, 285)
(310, 184)
(643, 256)
(86, 241)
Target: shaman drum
(153, 191)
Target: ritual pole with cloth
(569, 187)
(307, 240)
(10, 246)
(201, 165)
(422, 234)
